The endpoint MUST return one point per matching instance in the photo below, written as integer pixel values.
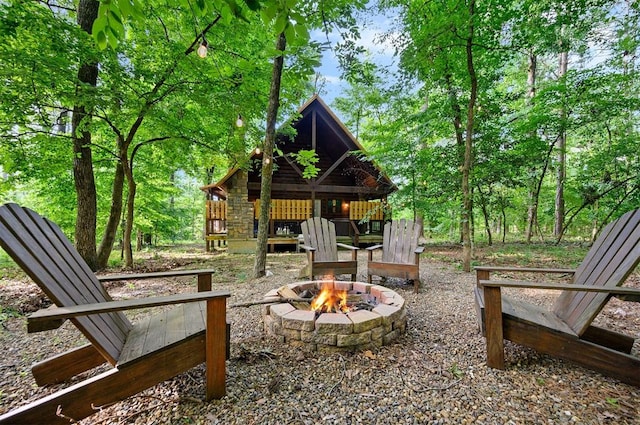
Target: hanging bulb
(267, 160)
(239, 121)
(258, 151)
(202, 49)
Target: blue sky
(371, 27)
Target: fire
(330, 300)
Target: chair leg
(493, 327)
(216, 350)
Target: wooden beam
(284, 187)
(314, 129)
(66, 365)
(493, 327)
(294, 166)
(216, 350)
(333, 167)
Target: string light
(258, 151)
(202, 49)
(239, 121)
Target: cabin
(349, 190)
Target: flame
(330, 300)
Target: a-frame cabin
(347, 189)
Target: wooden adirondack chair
(567, 330)
(322, 249)
(143, 354)
(400, 252)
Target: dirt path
(435, 373)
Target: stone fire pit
(356, 330)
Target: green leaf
(302, 32)
(281, 23)
(125, 7)
(137, 11)
(612, 401)
(290, 32)
(252, 4)
(99, 25)
(116, 27)
(113, 41)
(101, 39)
(227, 14)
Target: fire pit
(335, 316)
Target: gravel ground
(434, 374)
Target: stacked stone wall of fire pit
(337, 332)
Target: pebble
(408, 382)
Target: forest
(500, 121)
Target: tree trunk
(260, 265)
(534, 189)
(467, 206)
(110, 232)
(85, 186)
(128, 222)
(562, 156)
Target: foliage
(412, 133)
(177, 111)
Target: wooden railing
(361, 209)
(216, 210)
(287, 209)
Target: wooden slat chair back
(320, 234)
(46, 255)
(611, 259)
(321, 244)
(400, 241)
(400, 252)
(567, 330)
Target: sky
(372, 26)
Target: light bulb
(239, 121)
(258, 151)
(202, 50)
(267, 160)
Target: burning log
(286, 292)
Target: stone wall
(239, 215)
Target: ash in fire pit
(330, 316)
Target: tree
(259, 269)
(85, 235)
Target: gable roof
(319, 129)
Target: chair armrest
(419, 250)
(629, 294)
(373, 248)
(204, 276)
(345, 246)
(307, 248)
(152, 275)
(52, 318)
(522, 269)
